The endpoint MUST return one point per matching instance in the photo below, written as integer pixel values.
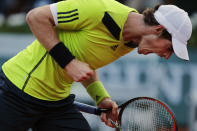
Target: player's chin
(144, 52)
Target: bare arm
(41, 23)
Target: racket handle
(89, 109)
(94, 110)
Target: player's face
(154, 44)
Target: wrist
(106, 99)
(97, 91)
(70, 64)
(61, 54)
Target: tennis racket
(139, 114)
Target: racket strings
(146, 115)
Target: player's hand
(78, 71)
(113, 114)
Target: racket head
(146, 114)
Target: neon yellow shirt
(90, 29)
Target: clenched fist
(78, 71)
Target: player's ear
(159, 29)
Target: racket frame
(124, 105)
(97, 111)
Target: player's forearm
(41, 23)
(95, 88)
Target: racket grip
(87, 108)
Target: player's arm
(41, 23)
(98, 93)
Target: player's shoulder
(85, 6)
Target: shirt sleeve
(73, 14)
(53, 8)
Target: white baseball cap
(178, 24)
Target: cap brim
(180, 49)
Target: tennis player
(73, 39)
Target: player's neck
(134, 27)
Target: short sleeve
(53, 8)
(73, 14)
